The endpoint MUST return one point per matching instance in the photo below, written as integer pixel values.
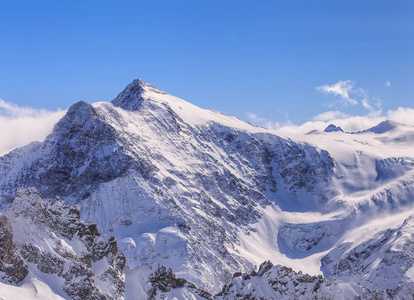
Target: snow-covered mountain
(208, 195)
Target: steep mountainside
(208, 195)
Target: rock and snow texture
(45, 243)
(47, 252)
(280, 282)
(207, 195)
(383, 261)
(12, 266)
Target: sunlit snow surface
(212, 194)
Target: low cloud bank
(22, 125)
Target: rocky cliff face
(12, 267)
(70, 161)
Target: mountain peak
(138, 82)
(332, 128)
(78, 114)
(132, 97)
(384, 126)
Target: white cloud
(402, 115)
(366, 104)
(277, 125)
(260, 121)
(22, 125)
(330, 115)
(343, 89)
(254, 118)
(373, 111)
(387, 83)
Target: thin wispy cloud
(387, 83)
(343, 90)
(266, 123)
(22, 125)
(254, 118)
(374, 111)
(331, 115)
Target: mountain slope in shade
(208, 195)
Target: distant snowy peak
(332, 128)
(384, 126)
(132, 97)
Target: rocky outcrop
(279, 282)
(55, 241)
(163, 280)
(296, 240)
(13, 269)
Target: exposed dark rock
(13, 269)
(163, 280)
(60, 224)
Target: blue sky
(258, 60)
